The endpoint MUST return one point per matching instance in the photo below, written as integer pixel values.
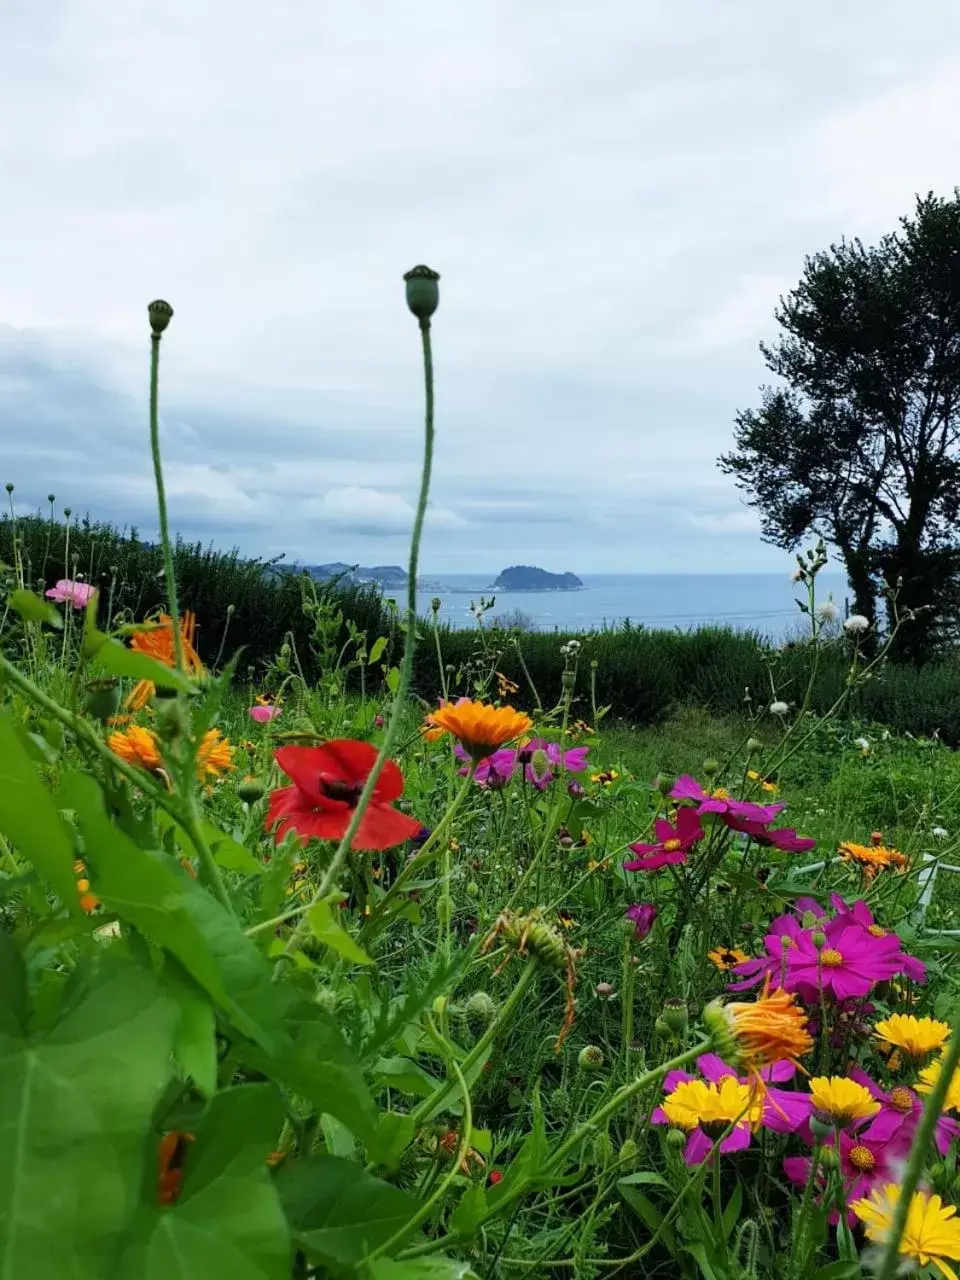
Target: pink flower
(538, 757)
(860, 914)
(643, 914)
(784, 838)
(864, 1164)
(783, 935)
(900, 1110)
(69, 592)
(688, 788)
(848, 964)
(264, 714)
(672, 845)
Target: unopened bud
(711, 767)
(754, 745)
(172, 719)
(675, 1015)
(103, 699)
(590, 1058)
(676, 1138)
(480, 1012)
(829, 1159)
(160, 313)
(876, 837)
(664, 784)
(435, 604)
(423, 291)
(819, 939)
(576, 790)
(628, 1152)
(604, 990)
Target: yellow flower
(929, 1077)
(157, 643)
(696, 1102)
(480, 727)
(772, 1028)
(932, 1231)
(214, 756)
(726, 957)
(841, 1100)
(765, 783)
(605, 778)
(88, 901)
(916, 1037)
(138, 746)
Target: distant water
(748, 601)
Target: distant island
(525, 577)
(387, 575)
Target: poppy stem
(918, 1156)
(166, 548)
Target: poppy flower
(67, 591)
(264, 712)
(672, 843)
(722, 803)
(327, 783)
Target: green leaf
(195, 1044)
(338, 1212)
(228, 1220)
(229, 853)
(470, 1211)
(646, 1211)
(377, 649)
(643, 1179)
(841, 1270)
(76, 1104)
(731, 1211)
(29, 817)
(406, 1076)
(332, 934)
(421, 1269)
(393, 680)
(171, 909)
(33, 608)
(704, 1261)
(393, 1135)
(117, 660)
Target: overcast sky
(615, 194)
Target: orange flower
(138, 746)
(214, 756)
(170, 1156)
(872, 858)
(158, 643)
(88, 901)
(480, 728)
(772, 1028)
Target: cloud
(744, 521)
(370, 512)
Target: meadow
(377, 951)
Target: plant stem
(168, 572)
(918, 1155)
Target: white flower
(862, 743)
(828, 611)
(855, 623)
(778, 708)
(940, 832)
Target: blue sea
(761, 602)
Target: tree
(860, 442)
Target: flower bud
(628, 1152)
(103, 699)
(676, 1138)
(423, 291)
(576, 790)
(754, 745)
(51, 498)
(435, 604)
(675, 1015)
(604, 990)
(819, 939)
(378, 722)
(876, 837)
(590, 1058)
(711, 767)
(829, 1159)
(601, 1149)
(250, 789)
(480, 1012)
(160, 313)
(172, 719)
(444, 911)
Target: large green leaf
(29, 817)
(328, 930)
(76, 1104)
(168, 906)
(34, 608)
(195, 1046)
(338, 1212)
(117, 660)
(228, 1220)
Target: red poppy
(327, 782)
(494, 1177)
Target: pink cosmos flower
(783, 935)
(672, 844)
(67, 591)
(643, 915)
(538, 757)
(784, 838)
(848, 965)
(864, 1164)
(899, 1115)
(264, 714)
(688, 788)
(860, 914)
(783, 1110)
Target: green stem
(799, 1252)
(918, 1156)
(410, 643)
(171, 581)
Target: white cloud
(726, 522)
(373, 509)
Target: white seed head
(941, 833)
(828, 611)
(856, 623)
(778, 708)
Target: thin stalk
(167, 549)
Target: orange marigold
(480, 728)
(158, 643)
(872, 858)
(214, 756)
(772, 1028)
(138, 746)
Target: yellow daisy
(929, 1077)
(214, 756)
(841, 1101)
(932, 1232)
(915, 1037)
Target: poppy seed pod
(103, 699)
(160, 313)
(423, 291)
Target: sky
(614, 193)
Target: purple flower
(784, 838)
(899, 1115)
(720, 803)
(643, 914)
(538, 758)
(672, 843)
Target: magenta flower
(864, 1164)
(643, 914)
(860, 914)
(718, 802)
(264, 714)
(783, 935)
(68, 591)
(899, 1115)
(784, 838)
(672, 844)
(539, 758)
(848, 965)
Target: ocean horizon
(762, 602)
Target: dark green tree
(859, 442)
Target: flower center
(862, 1158)
(336, 789)
(901, 1098)
(721, 793)
(831, 958)
(671, 846)
(877, 931)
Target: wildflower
(856, 623)
(263, 713)
(67, 591)
(378, 721)
(327, 783)
(214, 756)
(88, 901)
(576, 790)
(864, 1164)
(604, 990)
(847, 966)
(538, 757)
(158, 643)
(480, 728)
(725, 958)
(643, 916)
(494, 1177)
(784, 838)
(841, 1101)
(871, 858)
(765, 783)
(779, 708)
(505, 686)
(928, 1080)
(721, 803)
(672, 844)
(828, 611)
(940, 833)
(915, 1037)
(760, 1032)
(899, 1115)
(863, 744)
(171, 1151)
(932, 1231)
(138, 746)
(860, 914)
(605, 777)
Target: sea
(761, 602)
